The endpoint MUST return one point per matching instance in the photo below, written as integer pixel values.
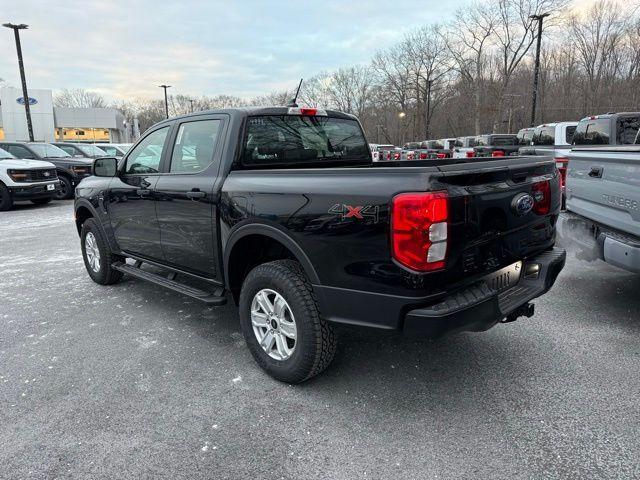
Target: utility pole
(428, 113)
(536, 70)
(25, 95)
(191, 102)
(166, 102)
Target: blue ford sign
(32, 101)
(522, 204)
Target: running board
(215, 298)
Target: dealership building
(57, 124)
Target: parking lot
(133, 381)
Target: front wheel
(6, 200)
(281, 322)
(96, 254)
(66, 189)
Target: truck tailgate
(603, 185)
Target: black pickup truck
(283, 210)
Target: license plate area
(505, 278)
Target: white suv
(33, 180)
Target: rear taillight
(419, 230)
(423, 156)
(470, 154)
(441, 155)
(562, 164)
(396, 156)
(497, 153)
(388, 155)
(541, 193)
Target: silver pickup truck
(603, 205)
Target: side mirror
(105, 167)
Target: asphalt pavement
(132, 381)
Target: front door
(187, 205)
(131, 198)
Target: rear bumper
(33, 192)
(595, 241)
(475, 308)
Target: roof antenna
(293, 101)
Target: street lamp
(25, 95)
(166, 102)
(536, 70)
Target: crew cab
(82, 150)
(70, 170)
(496, 145)
(26, 180)
(603, 205)
(611, 129)
(283, 211)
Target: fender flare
(276, 234)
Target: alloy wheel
(273, 324)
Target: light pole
(25, 95)
(166, 102)
(401, 116)
(191, 102)
(536, 70)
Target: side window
(145, 157)
(628, 130)
(569, 133)
(110, 150)
(70, 150)
(19, 152)
(195, 145)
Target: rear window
(301, 140)
(544, 136)
(592, 132)
(627, 130)
(525, 137)
(504, 141)
(571, 129)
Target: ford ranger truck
(603, 205)
(282, 211)
(26, 180)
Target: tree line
(469, 76)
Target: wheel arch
(265, 243)
(82, 212)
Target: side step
(215, 298)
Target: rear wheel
(96, 254)
(66, 189)
(281, 322)
(41, 201)
(6, 200)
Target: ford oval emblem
(522, 204)
(32, 101)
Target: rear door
(187, 202)
(604, 186)
(131, 199)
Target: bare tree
(79, 98)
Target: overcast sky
(243, 47)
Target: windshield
(294, 139)
(91, 150)
(5, 155)
(45, 150)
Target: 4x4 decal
(360, 212)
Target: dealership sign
(32, 101)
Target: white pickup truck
(603, 205)
(30, 180)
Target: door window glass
(145, 157)
(19, 152)
(628, 130)
(195, 145)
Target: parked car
(553, 140)
(81, 150)
(383, 153)
(277, 220)
(525, 135)
(70, 170)
(26, 180)
(496, 145)
(431, 149)
(114, 149)
(603, 205)
(608, 129)
(463, 147)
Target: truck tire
(281, 322)
(66, 189)
(41, 201)
(6, 200)
(96, 254)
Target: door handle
(195, 194)
(596, 172)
